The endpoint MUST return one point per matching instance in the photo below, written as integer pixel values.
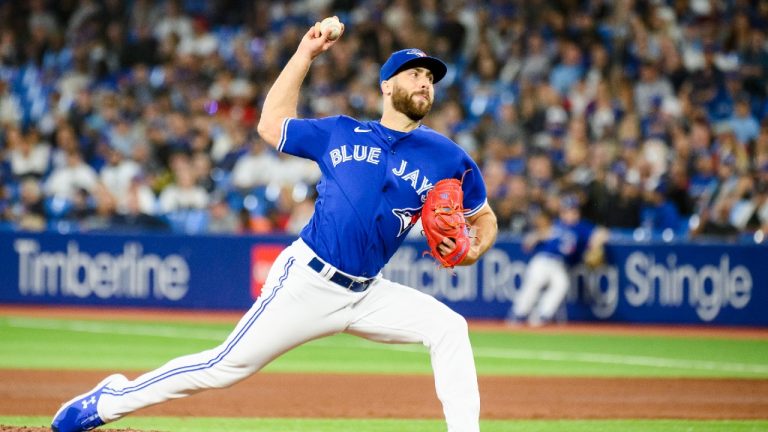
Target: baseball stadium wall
(664, 283)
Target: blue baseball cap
(410, 58)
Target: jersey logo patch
(358, 130)
(407, 217)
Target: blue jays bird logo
(407, 217)
(417, 52)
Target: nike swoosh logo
(358, 130)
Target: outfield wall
(644, 282)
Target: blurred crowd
(139, 114)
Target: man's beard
(404, 103)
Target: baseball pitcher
(376, 177)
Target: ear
(386, 87)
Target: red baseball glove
(443, 216)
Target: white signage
(74, 273)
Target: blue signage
(644, 283)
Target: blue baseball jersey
(567, 241)
(374, 182)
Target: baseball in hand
(330, 28)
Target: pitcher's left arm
(484, 227)
(484, 224)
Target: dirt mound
(40, 392)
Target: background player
(556, 245)
(375, 177)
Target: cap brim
(435, 65)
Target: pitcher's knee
(228, 373)
(457, 323)
(452, 325)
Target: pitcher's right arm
(283, 97)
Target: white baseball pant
(545, 281)
(298, 305)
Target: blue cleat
(79, 413)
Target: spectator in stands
(65, 142)
(483, 92)
(703, 178)
(602, 113)
(726, 147)
(74, 210)
(759, 217)
(717, 201)
(652, 89)
(678, 192)
(124, 136)
(81, 109)
(142, 48)
(29, 212)
(507, 125)
(562, 83)
(754, 70)
(743, 124)
(179, 133)
(174, 22)
(183, 193)
(746, 210)
(255, 168)
(569, 70)
(707, 84)
(222, 219)
(512, 209)
(659, 214)
(202, 170)
(65, 181)
(138, 198)
(9, 47)
(104, 211)
(200, 43)
(536, 62)
(713, 222)
(137, 210)
(40, 17)
(10, 106)
(29, 155)
(626, 208)
(119, 172)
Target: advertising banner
(147, 270)
(643, 283)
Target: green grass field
(60, 343)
